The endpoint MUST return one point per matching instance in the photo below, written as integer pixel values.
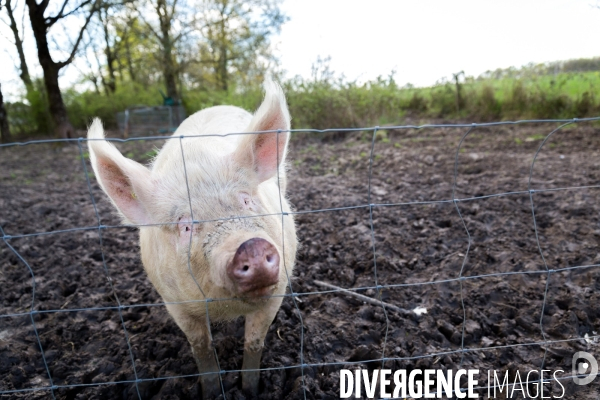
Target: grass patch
(535, 138)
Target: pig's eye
(246, 201)
(185, 226)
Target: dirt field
(420, 250)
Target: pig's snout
(255, 267)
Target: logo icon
(584, 364)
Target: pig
(217, 226)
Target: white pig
(240, 259)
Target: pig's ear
(267, 151)
(126, 182)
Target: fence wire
(294, 295)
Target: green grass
(149, 155)
(535, 137)
(572, 85)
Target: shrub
(486, 106)
(443, 101)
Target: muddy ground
(420, 250)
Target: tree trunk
(58, 110)
(111, 82)
(169, 68)
(130, 68)
(4, 129)
(223, 78)
(170, 79)
(165, 19)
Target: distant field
(559, 90)
(574, 85)
(527, 95)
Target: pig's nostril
(254, 266)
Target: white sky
(422, 40)
(429, 39)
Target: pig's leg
(197, 332)
(204, 356)
(257, 325)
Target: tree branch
(173, 9)
(366, 299)
(43, 5)
(81, 32)
(13, 22)
(149, 26)
(52, 20)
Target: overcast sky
(422, 41)
(430, 39)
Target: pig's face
(242, 258)
(214, 203)
(237, 245)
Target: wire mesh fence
(375, 292)
(144, 121)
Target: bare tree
(135, 41)
(110, 51)
(4, 129)
(236, 37)
(24, 69)
(126, 34)
(41, 25)
(137, 53)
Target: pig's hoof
(250, 385)
(211, 387)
